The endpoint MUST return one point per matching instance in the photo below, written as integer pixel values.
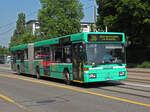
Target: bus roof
(19, 47)
(74, 37)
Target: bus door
(77, 61)
(22, 64)
(46, 61)
(46, 65)
(13, 61)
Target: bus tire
(67, 77)
(37, 72)
(18, 70)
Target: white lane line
(140, 85)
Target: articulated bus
(83, 57)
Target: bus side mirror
(83, 42)
(126, 43)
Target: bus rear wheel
(18, 70)
(37, 73)
(67, 77)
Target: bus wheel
(67, 77)
(37, 73)
(18, 70)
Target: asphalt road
(23, 93)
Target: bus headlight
(92, 75)
(121, 73)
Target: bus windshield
(101, 53)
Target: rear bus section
(104, 73)
(19, 59)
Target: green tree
(4, 50)
(27, 38)
(60, 17)
(92, 28)
(129, 16)
(22, 34)
(100, 18)
(19, 31)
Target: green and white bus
(83, 57)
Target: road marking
(6, 98)
(133, 84)
(13, 102)
(74, 89)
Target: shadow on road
(81, 85)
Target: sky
(9, 10)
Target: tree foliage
(22, 34)
(19, 31)
(4, 50)
(129, 16)
(60, 17)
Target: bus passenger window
(37, 52)
(58, 55)
(68, 60)
(26, 54)
(67, 54)
(42, 53)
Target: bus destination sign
(104, 38)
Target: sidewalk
(140, 70)
(5, 66)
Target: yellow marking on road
(13, 102)
(6, 98)
(74, 89)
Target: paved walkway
(5, 66)
(140, 70)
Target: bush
(145, 64)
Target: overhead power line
(5, 32)
(11, 23)
(32, 13)
(88, 7)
